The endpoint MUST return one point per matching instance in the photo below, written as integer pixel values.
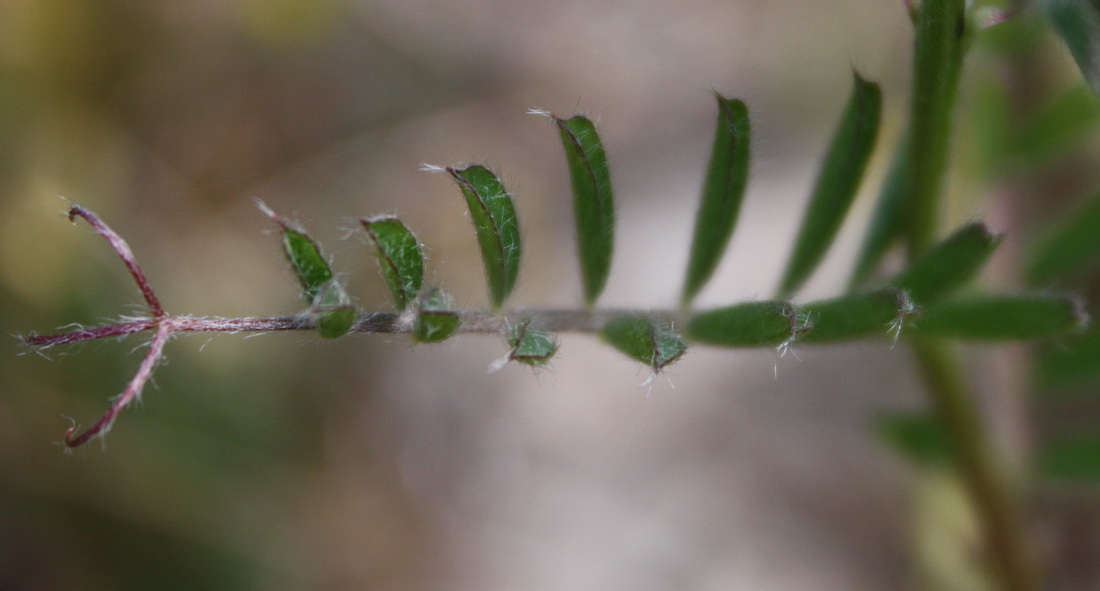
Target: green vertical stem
(985, 477)
(937, 57)
(937, 62)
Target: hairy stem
(131, 393)
(164, 327)
(122, 249)
(473, 322)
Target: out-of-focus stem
(994, 497)
(937, 63)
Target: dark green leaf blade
(593, 205)
(1004, 318)
(947, 266)
(723, 191)
(1069, 246)
(837, 183)
(919, 437)
(1073, 458)
(1078, 23)
(887, 225)
(400, 258)
(333, 310)
(530, 345)
(751, 324)
(306, 260)
(644, 340)
(1074, 362)
(436, 321)
(855, 316)
(1056, 128)
(330, 306)
(496, 225)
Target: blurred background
(284, 462)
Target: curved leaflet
(643, 339)
(751, 324)
(593, 205)
(837, 183)
(1004, 318)
(950, 264)
(723, 191)
(330, 306)
(496, 226)
(400, 258)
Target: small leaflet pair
(401, 262)
(330, 306)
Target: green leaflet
(943, 269)
(727, 175)
(886, 224)
(399, 257)
(531, 346)
(331, 308)
(837, 183)
(1075, 362)
(1078, 23)
(752, 324)
(435, 320)
(496, 226)
(1071, 457)
(875, 313)
(1004, 318)
(919, 437)
(643, 339)
(1059, 126)
(593, 206)
(1069, 247)
(306, 260)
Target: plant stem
(937, 62)
(994, 499)
(938, 52)
(473, 322)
